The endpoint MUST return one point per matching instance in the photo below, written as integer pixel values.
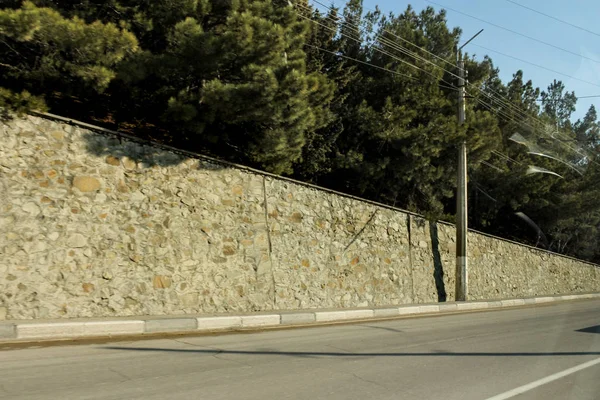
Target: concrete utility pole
(462, 273)
(461, 195)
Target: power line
(560, 142)
(522, 113)
(373, 65)
(395, 72)
(498, 97)
(361, 62)
(414, 55)
(491, 166)
(504, 156)
(578, 97)
(554, 18)
(405, 51)
(514, 32)
(374, 48)
(393, 45)
(508, 117)
(449, 87)
(485, 193)
(387, 42)
(400, 38)
(501, 112)
(493, 98)
(536, 65)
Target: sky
(583, 13)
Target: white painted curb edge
(60, 330)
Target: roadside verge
(39, 330)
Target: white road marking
(543, 381)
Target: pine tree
(43, 52)
(236, 77)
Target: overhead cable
(361, 62)
(536, 65)
(394, 57)
(554, 18)
(494, 98)
(513, 31)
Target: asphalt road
(545, 352)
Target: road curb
(35, 330)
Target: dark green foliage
(19, 103)
(43, 51)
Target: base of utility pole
(461, 284)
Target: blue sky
(584, 13)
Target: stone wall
(92, 224)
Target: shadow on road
(339, 354)
(590, 329)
